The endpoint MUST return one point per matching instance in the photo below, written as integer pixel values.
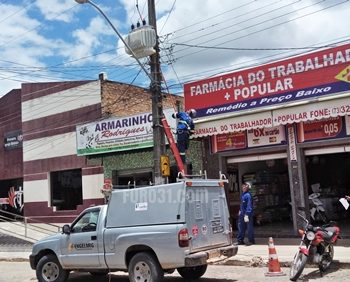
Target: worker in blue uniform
(185, 127)
(245, 217)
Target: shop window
(132, 179)
(270, 189)
(66, 189)
(328, 180)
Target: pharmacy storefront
(284, 127)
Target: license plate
(214, 254)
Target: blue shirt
(185, 122)
(246, 207)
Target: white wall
(50, 147)
(63, 101)
(92, 184)
(36, 191)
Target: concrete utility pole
(155, 76)
(157, 107)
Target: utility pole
(157, 107)
(155, 76)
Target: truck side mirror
(66, 229)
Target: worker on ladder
(185, 127)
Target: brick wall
(11, 161)
(125, 100)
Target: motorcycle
(316, 246)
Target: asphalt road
(21, 272)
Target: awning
(311, 111)
(233, 124)
(260, 157)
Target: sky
(61, 40)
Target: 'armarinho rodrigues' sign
(117, 134)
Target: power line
(210, 18)
(246, 35)
(253, 25)
(18, 11)
(171, 9)
(252, 49)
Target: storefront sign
(320, 129)
(312, 111)
(304, 77)
(234, 124)
(292, 146)
(118, 134)
(347, 124)
(229, 141)
(266, 136)
(13, 140)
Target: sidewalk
(16, 240)
(255, 255)
(258, 254)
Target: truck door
(81, 247)
(207, 217)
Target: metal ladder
(173, 146)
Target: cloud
(87, 41)
(21, 53)
(41, 34)
(58, 10)
(247, 25)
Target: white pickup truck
(146, 231)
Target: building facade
(284, 127)
(44, 164)
(11, 154)
(58, 184)
(127, 156)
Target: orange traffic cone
(274, 265)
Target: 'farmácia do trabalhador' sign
(308, 76)
(288, 115)
(118, 134)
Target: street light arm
(117, 32)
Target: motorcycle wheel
(326, 259)
(297, 266)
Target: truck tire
(193, 272)
(144, 267)
(50, 270)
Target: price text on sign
(320, 129)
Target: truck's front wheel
(144, 267)
(193, 272)
(50, 270)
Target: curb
(260, 262)
(14, 260)
(254, 262)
